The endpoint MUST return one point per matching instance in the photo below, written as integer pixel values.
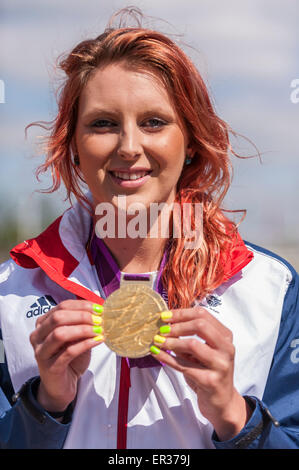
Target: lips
(130, 178)
(129, 175)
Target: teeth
(129, 176)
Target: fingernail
(154, 350)
(165, 329)
(96, 319)
(166, 315)
(98, 338)
(159, 339)
(97, 308)
(97, 329)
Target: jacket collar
(60, 249)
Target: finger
(178, 363)
(199, 327)
(213, 332)
(60, 338)
(202, 378)
(60, 317)
(71, 305)
(198, 353)
(200, 313)
(72, 351)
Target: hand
(207, 366)
(62, 343)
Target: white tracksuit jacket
(258, 302)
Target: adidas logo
(41, 306)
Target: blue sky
(246, 51)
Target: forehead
(117, 85)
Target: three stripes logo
(41, 306)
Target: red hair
(188, 274)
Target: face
(128, 137)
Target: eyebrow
(93, 112)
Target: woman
(135, 120)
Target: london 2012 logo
(213, 300)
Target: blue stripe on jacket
(281, 394)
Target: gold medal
(131, 318)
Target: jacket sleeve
(24, 426)
(274, 423)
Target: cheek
(169, 150)
(94, 149)
(174, 156)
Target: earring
(76, 160)
(188, 160)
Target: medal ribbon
(109, 277)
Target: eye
(154, 123)
(103, 123)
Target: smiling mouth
(126, 176)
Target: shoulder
(15, 280)
(280, 274)
(6, 270)
(271, 266)
(270, 258)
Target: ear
(190, 151)
(73, 147)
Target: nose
(129, 145)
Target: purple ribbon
(109, 277)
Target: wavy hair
(188, 274)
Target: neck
(135, 255)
